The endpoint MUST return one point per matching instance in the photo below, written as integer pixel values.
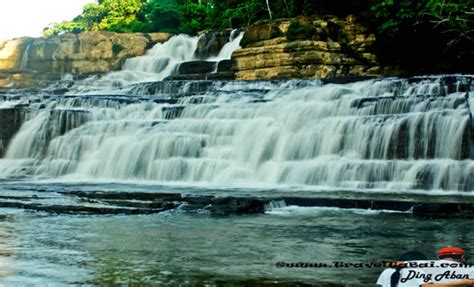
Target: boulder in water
(196, 67)
(222, 206)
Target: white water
(25, 57)
(231, 46)
(356, 136)
(162, 58)
(158, 63)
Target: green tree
(450, 16)
(427, 33)
(63, 27)
(106, 15)
(189, 16)
(453, 18)
(194, 17)
(162, 15)
(120, 16)
(91, 15)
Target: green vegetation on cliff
(435, 34)
(191, 16)
(420, 30)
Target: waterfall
(162, 58)
(24, 57)
(158, 63)
(373, 135)
(231, 46)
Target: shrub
(296, 30)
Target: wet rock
(77, 209)
(260, 32)
(225, 66)
(345, 80)
(328, 202)
(336, 47)
(165, 205)
(196, 203)
(223, 206)
(196, 67)
(416, 208)
(153, 196)
(174, 88)
(10, 123)
(172, 112)
(105, 202)
(210, 44)
(28, 61)
(221, 76)
(443, 210)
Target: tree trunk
(269, 10)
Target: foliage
(120, 16)
(163, 16)
(63, 27)
(450, 16)
(190, 16)
(395, 14)
(107, 15)
(117, 48)
(424, 30)
(455, 18)
(194, 17)
(296, 30)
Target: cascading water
(233, 44)
(25, 57)
(303, 154)
(162, 58)
(158, 63)
(379, 134)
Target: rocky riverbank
(28, 62)
(309, 47)
(112, 202)
(303, 47)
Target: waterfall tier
(391, 134)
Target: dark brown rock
(10, 123)
(259, 32)
(308, 47)
(196, 67)
(235, 205)
(211, 43)
(29, 59)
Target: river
(380, 139)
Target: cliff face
(10, 123)
(25, 61)
(304, 47)
(308, 47)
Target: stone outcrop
(303, 47)
(11, 120)
(131, 203)
(308, 47)
(211, 43)
(28, 61)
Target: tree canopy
(423, 28)
(191, 16)
(427, 31)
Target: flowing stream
(129, 131)
(378, 134)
